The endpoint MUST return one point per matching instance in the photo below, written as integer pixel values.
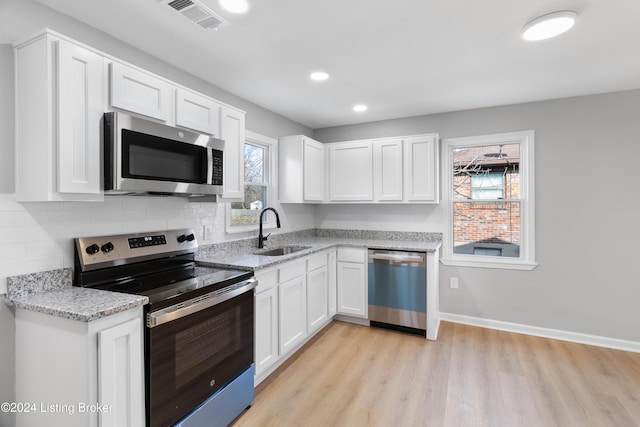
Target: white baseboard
(576, 337)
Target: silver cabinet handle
(200, 303)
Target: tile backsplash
(39, 236)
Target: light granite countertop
(50, 292)
(245, 255)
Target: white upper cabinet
(140, 92)
(59, 105)
(421, 169)
(302, 170)
(232, 131)
(313, 170)
(197, 112)
(63, 88)
(351, 171)
(388, 170)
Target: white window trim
(269, 223)
(526, 261)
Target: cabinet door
(313, 170)
(121, 375)
(197, 112)
(421, 169)
(351, 171)
(387, 170)
(332, 268)
(266, 329)
(317, 298)
(292, 299)
(352, 295)
(232, 131)
(80, 109)
(139, 92)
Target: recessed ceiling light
(550, 25)
(235, 6)
(359, 108)
(319, 76)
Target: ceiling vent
(198, 13)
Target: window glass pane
(248, 212)
(254, 159)
(489, 186)
(489, 172)
(487, 228)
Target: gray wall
(586, 162)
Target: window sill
(503, 264)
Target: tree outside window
(256, 177)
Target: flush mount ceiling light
(319, 76)
(360, 108)
(550, 25)
(234, 6)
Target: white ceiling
(400, 57)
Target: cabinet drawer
(266, 280)
(316, 261)
(292, 270)
(352, 255)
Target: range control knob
(92, 249)
(186, 237)
(107, 247)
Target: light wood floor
(358, 376)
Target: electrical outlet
(453, 283)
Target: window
(245, 215)
(489, 196)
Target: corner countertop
(50, 292)
(250, 259)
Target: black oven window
(152, 157)
(206, 343)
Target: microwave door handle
(209, 165)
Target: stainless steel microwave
(141, 156)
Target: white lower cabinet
(332, 266)
(92, 373)
(317, 292)
(120, 389)
(352, 282)
(292, 299)
(292, 303)
(266, 321)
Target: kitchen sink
(284, 250)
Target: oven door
(195, 348)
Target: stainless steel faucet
(262, 238)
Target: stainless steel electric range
(199, 323)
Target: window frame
(270, 168)
(526, 261)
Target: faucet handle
(265, 237)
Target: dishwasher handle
(397, 258)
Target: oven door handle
(200, 303)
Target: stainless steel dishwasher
(398, 290)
